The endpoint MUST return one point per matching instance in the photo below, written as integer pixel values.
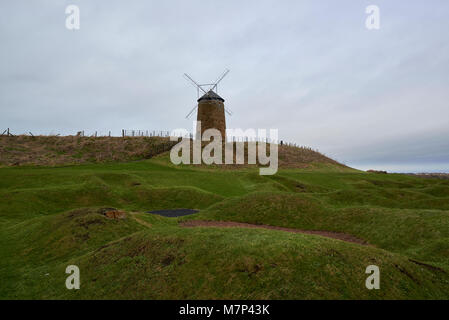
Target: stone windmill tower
(211, 109)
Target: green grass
(49, 219)
(421, 234)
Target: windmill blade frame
(228, 111)
(186, 76)
(212, 87)
(224, 74)
(191, 111)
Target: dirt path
(140, 221)
(230, 224)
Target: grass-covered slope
(124, 259)
(49, 218)
(31, 247)
(422, 234)
(63, 150)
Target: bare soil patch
(229, 224)
(113, 213)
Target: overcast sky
(368, 98)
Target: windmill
(211, 109)
(211, 87)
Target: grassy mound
(165, 261)
(56, 236)
(144, 256)
(28, 192)
(68, 150)
(414, 232)
(39, 243)
(57, 150)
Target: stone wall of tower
(211, 113)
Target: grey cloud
(309, 68)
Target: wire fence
(145, 133)
(98, 133)
(165, 134)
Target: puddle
(173, 213)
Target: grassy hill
(65, 150)
(51, 217)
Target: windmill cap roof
(211, 95)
